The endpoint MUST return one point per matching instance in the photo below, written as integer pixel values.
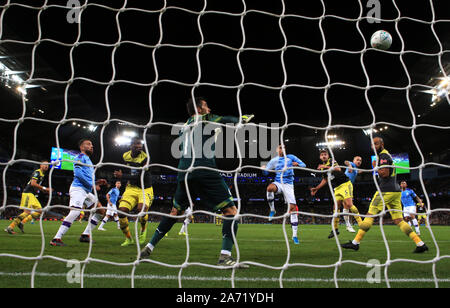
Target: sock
(363, 229)
(416, 225)
(410, 233)
(354, 210)
(271, 200)
(116, 219)
(182, 228)
(227, 235)
(164, 226)
(336, 222)
(104, 221)
(346, 217)
(18, 220)
(143, 220)
(124, 227)
(27, 219)
(294, 224)
(92, 224)
(67, 223)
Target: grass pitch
(263, 244)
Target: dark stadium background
(131, 103)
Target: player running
(284, 184)
(81, 196)
(409, 199)
(134, 195)
(31, 206)
(391, 194)
(343, 190)
(111, 210)
(205, 183)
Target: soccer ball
(381, 40)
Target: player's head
(136, 145)
(403, 184)
(379, 144)
(118, 184)
(199, 104)
(280, 150)
(86, 146)
(324, 155)
(44, 165)
(357, 160)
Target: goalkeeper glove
(247, 118)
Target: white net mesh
(75, 12)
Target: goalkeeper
(206, 184)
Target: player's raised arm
(297, 161)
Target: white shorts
(288, 192)
(111, 210)
(409, 210)
(81, 199)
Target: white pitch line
(200, 278)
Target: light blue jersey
(83, 175)
(408, 196)
(352, 175)
(114, 195)
(277, 164)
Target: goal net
(114, 70)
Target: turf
(263, 244)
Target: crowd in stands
(252, 194)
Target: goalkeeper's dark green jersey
(198, 143)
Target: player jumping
(342, 186)
(351, 172)
(284, 184)
(205, 183)
(29, 200)
(391, 194)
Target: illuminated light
(122, 140)
(21, 89)
(74, 123)
(92, 128)
(130, 134)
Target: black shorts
(211, 189)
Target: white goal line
(216, 278)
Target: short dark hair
(82, 141)
(197, 102)
(324, 151)
(135, 140)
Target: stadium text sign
(73, 16)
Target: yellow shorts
(134, 195)
(392, 201)
(30, 201)
(420, 217)
(344, 191)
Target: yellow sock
(143, 220)
(360, 235)
(124, 226)
(17, 220)
(354, 210)
(27, 219)
(409, 232)
(364, 227)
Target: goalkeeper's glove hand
(247, 118)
